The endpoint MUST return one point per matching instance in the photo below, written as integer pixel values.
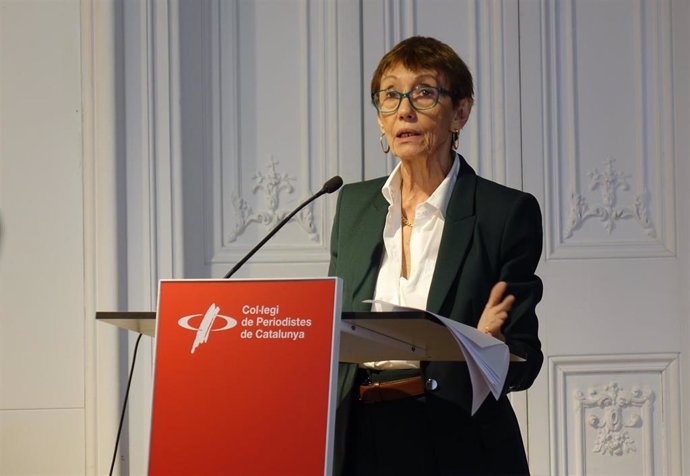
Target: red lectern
(245, 377)
(246, 370)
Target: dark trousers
(398, 438)
(390, 438)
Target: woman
(433, 235)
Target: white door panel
(599, 150)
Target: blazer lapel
(456, 238)
(368, 244)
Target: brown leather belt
(394, 390)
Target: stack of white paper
(487, 357)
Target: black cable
(124, 404)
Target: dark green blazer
(492, 233)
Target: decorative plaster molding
(651, 94)
(587, 393)
(612, 438)
(609, 181)
(236, 205)
(272, 184)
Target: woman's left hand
(496, 311)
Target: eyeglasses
(387, 101)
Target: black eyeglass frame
(408, 94)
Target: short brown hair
(420, 52)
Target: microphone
(331, 185)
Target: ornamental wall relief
(270, 186)
(614, 411)
(608, 182)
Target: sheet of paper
(487, 357)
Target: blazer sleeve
(520, 250)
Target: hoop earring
(385, 147)
(455, 139)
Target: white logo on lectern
(206, 325)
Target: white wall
(60, 254)
(42, 407)
(129, 127)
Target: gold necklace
(405, 221)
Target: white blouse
(425, 240)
